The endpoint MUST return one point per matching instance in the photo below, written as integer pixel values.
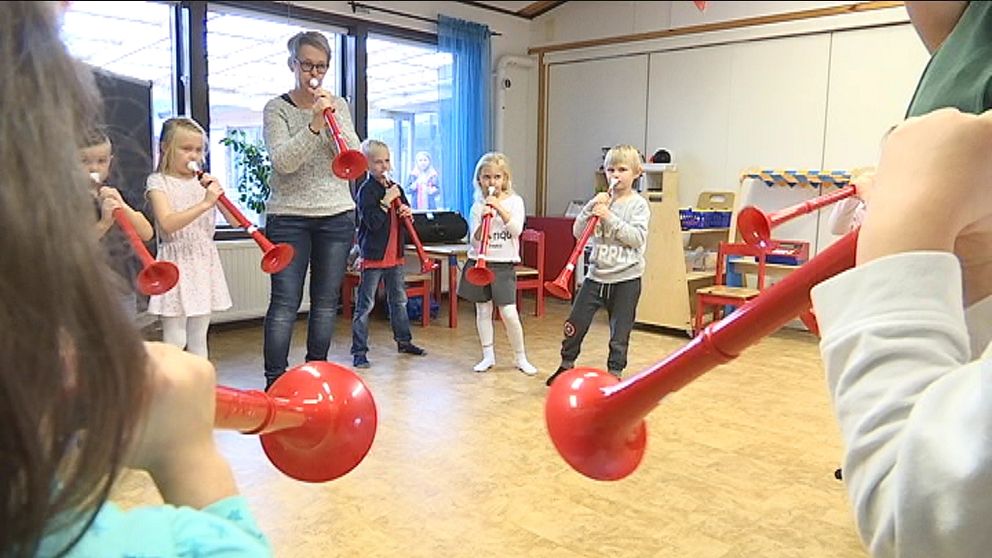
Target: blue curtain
(465, 113)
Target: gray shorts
(502, 291)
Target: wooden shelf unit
(667, 288)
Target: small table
(452, 253)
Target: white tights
(189, 333)
(514, 333)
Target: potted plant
(252, 170)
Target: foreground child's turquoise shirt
(224, 528)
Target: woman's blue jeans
(322, 245)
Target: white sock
(524, 366)
(484, 323)
(488, 359)
(515, 333)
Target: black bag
(439, 227)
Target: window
(406, 80)
(139, 46)
(247, 67)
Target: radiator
(249, 285)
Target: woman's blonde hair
(72, 361)
(501, 162)
(626, 155)
(167, 139)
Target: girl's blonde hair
(167, 139)
(501, 162)
(626, 155)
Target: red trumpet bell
(599, 445)
(158, 278)
(479, 276)
(155, 277)
(349, 164)
(559, 287)
(755, 227)
(317, 421)
(277, 258)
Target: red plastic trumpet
(275, 257)
(316, 422)
(349, 164)
(597, 422)
(561, 287)
(756, 227)
(155, 277)
(479, 274)
(426, 264)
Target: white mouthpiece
(492, 190)
(193, 166)
(95, 177)
(614, 182)
(314, 83)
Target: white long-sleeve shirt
(504, 238)
(914, 409)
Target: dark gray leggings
(620, 300)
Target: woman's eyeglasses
(310, 66)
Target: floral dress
(202, 288)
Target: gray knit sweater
(302, 183)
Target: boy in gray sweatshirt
(618, 247)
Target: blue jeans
(322, 244)
(392, 277)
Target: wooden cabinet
(667, 287)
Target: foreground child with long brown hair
(81, 397)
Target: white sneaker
(526, 367)
(488, 359)
(485, 364)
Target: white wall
(521, 108)
(591, 104)
(800, 95)
(722, 109)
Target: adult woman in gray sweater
(309, 207)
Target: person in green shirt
(959, 73)
(81, 396)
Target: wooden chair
(530, 272)
(418, 285)
(720, 295)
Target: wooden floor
(739, 463)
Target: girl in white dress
(185, 219)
